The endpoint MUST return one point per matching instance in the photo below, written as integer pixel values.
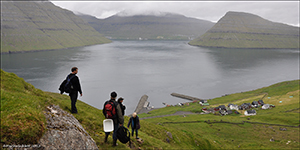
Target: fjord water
(155, 68)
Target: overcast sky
(277, 11)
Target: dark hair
(120, 99)
(74, 69)
(113, 94)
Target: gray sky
(277, 11)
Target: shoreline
(32, 51)
(222, 47)
(143, 104)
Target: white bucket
(108, 125)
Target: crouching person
(111, 110)
(134, 121)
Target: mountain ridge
(245, 30)
(165, 27)
(30, 26)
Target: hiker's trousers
(73, 95)
(136, 132)
(116, 126)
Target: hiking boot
(105, 139)
(115, 143)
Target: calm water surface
(155, 68)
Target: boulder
(282, 129)
(64, 131)
(170, 135)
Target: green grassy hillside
(244, 30)
(237, 131)
(29, 26)
(23, 122)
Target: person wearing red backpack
(111, 110)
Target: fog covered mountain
(158, 25)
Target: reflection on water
(155, 68)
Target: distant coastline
(32, 51)
(220, 47)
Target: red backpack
(110, 110)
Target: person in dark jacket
(118, 121)
(75, 88)
(134, 121)
(120, 101)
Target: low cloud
(276, 11)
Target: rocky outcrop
(245, 30)
(40, 25)
(64, 132)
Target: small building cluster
(147, 106)
(204, 103)
(232, 108)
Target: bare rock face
(64, 131)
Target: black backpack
(123, 135)
(66, 85)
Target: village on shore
(247, 109)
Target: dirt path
(177, 113)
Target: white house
(265, 106)
(250, 112)
(234, 107)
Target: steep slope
(23, 122)
(28, 26)
(244, 30)
(164, 26)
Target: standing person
(134, 121)
(120, 101)
(75, 88)
(118, 118)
